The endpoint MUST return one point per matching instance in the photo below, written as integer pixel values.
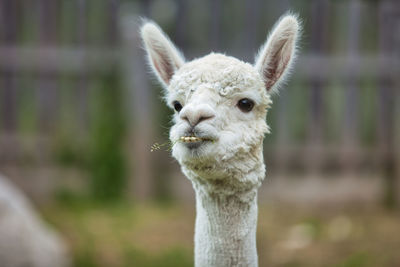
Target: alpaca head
(220, 102)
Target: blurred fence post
(283, 141)
(389, 23)
(9, 141)
(181, 23)
(319, 22)
(396, 86)
(215, 24)
(8, 17)
(139, 108)
(252, 18)
(47, 86)
(350, 126)
(82, 83)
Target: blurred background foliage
(79, 113)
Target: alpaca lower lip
(193, 142)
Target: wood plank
(53, 59)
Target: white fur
(227, 172)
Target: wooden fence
(340, 111)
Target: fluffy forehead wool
(227, 75)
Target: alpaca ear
(276, 56)
(163, 57)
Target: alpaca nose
(194, 114)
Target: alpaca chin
(213, 164)
(193, 152)
(206, 156)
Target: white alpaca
(219, 125)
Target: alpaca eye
(245, 104)
(177, 106)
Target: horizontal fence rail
(54, 59)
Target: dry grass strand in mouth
(168, 144)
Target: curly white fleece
(234, 162)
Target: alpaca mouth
(194, 139)
(193, 142)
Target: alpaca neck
(226, 207)
(225, 233)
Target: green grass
(124, 234)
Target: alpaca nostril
(203, 118)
